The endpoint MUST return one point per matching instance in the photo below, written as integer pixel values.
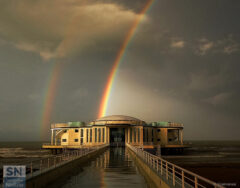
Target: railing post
(157, 164)
(166, 170)
(161, 168)
(173, 175)
(183, 179)
(195, 181)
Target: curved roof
(118, 118)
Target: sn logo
(14, 171)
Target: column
(128, 135)
(52, 137)
(181, 136)
(141, 135)
(105, 135)
(93, 135)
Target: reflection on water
(114, 168)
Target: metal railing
(76, 146)
(37, 167)
(171, 173)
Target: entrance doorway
(117, 136)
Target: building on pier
(116, 130)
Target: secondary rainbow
(50, 96)
(113, 72)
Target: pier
(156, 171)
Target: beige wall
(155, 137)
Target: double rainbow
(57, 68)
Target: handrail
(78, 146)
(37, 167)
(169, 170)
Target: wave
(20, 152)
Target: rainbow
(113, 72)
(49, 96)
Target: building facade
(116, 130)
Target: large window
(103, 133)
(81, 137)
(146, 134)
(95, 134)
(138, 134)
(90, 135)
(130, 134)
(99, 134)
(87, 135)
(152, 135)
(135, 135)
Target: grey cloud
(58, 28)
(219, 99)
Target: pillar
(52, 137)
(181, 136)
(128, 130)
(141, 135)
(93, 135)
(105, 139)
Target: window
(90, 135)
(81, 141)
(146, 134)
(81, 136)
(64, 140)
(75, 140)
(159, 130)
(130, 134)
(144, 138)
(138, 134)
(65, 131)
(81, 133)
(87, 135)
(158, 139)
(135, 135)
(99, 134)
(103, 134)
(95, 134)
(152, 135)
(76, 130)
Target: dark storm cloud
(182, 64)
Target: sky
(182, 64)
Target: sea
(218, 161)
